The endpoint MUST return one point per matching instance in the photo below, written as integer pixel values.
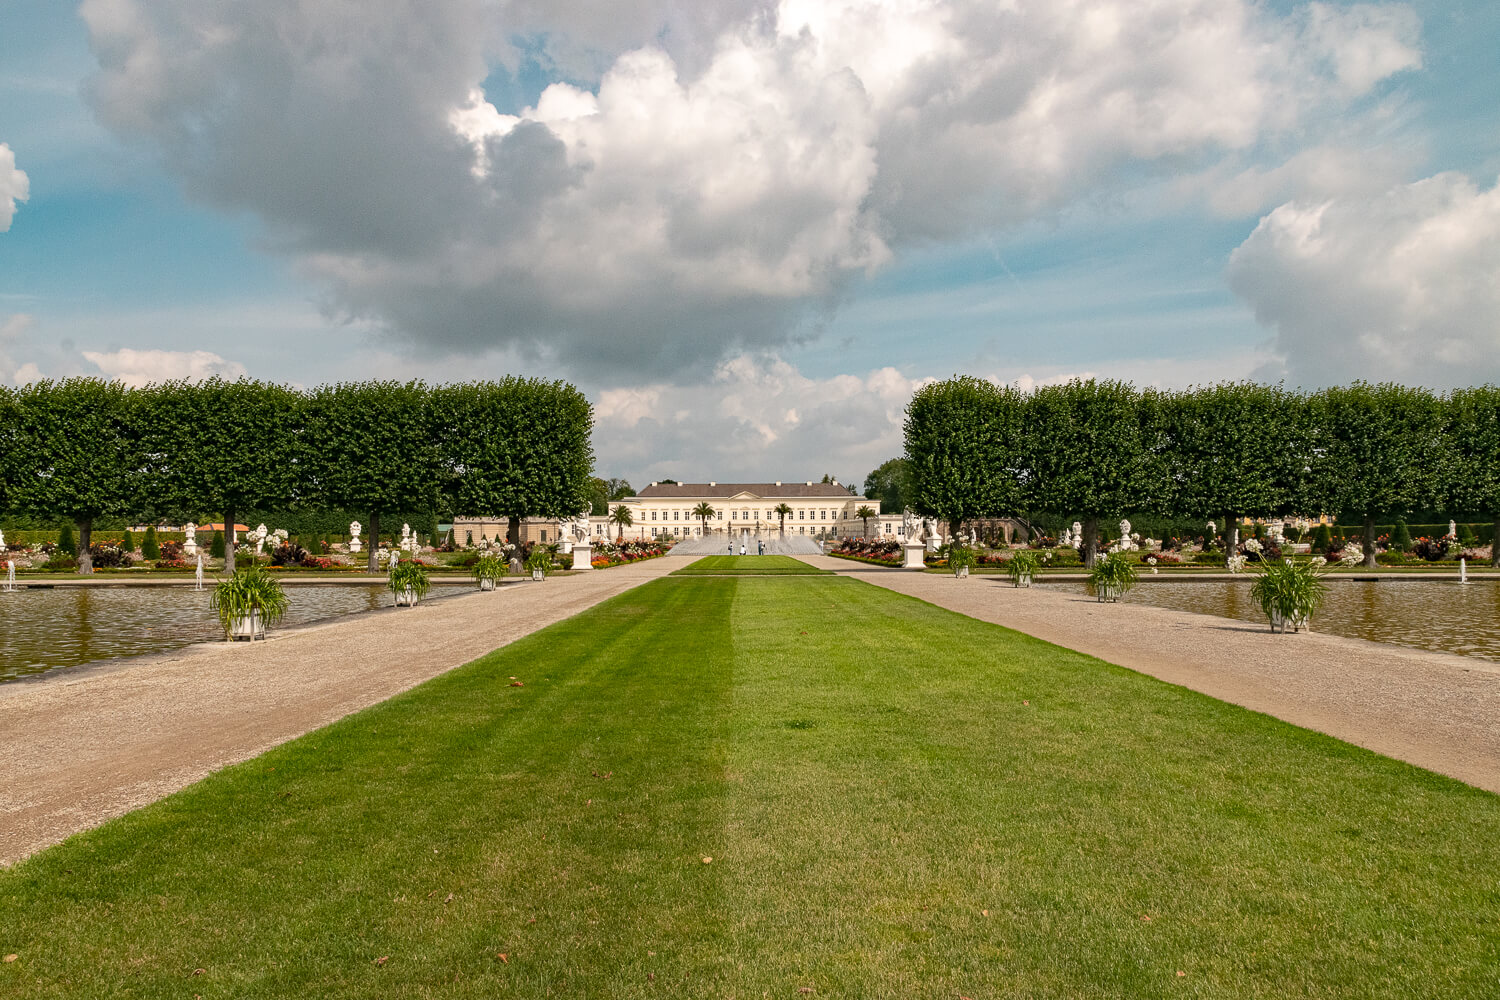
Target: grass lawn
(750, 565)
(896, 801)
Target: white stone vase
(406, 598)
(486, 583)
(1024, 580)
(538, 575)
(1279, 623)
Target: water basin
(43, 630)
(1424, 614)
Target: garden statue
(1452, 529)
(258, 536)
(190, 542)
(930, 533)
(973, 537)
(581, 527)
(354, 530)
(565, 537)
(910, 525)
(2, 540)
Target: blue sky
(755, 298)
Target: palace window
(653, 531)
(675, 513)
(801, 514)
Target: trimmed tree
(1380, 451)
(514, 448)
(150, 549)
(1473, 430)
(371, 447)
(1097, 449)
(224, 446)
(1236, 450)
(80, 455)
(963, 450)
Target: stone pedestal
(914, 552)
(583, 556)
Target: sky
(749, 230)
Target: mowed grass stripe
(292, 874)
(751, 566)
(897, 770)
(867, 778)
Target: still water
(1435, 615)
(41, 630)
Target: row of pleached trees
(85, 450)
(1100, 449)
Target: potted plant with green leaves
(488, 570)
(1290, 593)
(1023, 566)
(961, 559)
(539, 563)
(1112, 577)
(247, 602)
(408, 581)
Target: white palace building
(666, 510)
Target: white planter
(486, 583)
(963, 573)
(1023, 580)
(1282, 624)
(248, 627)
(1107, 593)
(406, 598)
(538, 575)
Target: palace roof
(724, 491)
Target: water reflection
(1422, 614)
(44, 629)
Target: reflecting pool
(42, 630)
(1424, 614)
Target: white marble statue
(565, 537)
(354, 545)
(2, 540)
(910, 526)
(1452, 529)
(190, 543)
(258, 536)
(973, 538)
(930, 533)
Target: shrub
(60, 560)
(1289, 592)
(150, 548)
(287, 554)
(1466, 536)
(171, 551)
(216, 547)
(1401, 537)
(65, 541)
(108, 555)
(1322, 539)
(1431, 549)
(129, 543)
(1112, 576)
(249, 590)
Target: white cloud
(730, 168)
(1400, 285)
(14, 327)
(14, 186)
(759, 417)
(138, 368)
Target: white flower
(1319, 562)
(1253, 546)
(1353, 553)
(1235, 563)
(1213, 529)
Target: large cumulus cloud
(1401, 284)
(713, 175)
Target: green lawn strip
(867, 777)
(890, 783)
(291, 874)
(750, 566)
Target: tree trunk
(372, 564)
(1369, 541)
(513, 530)
(229, 541)
(1495, 544)
(1090, 541)
(85, 534)
(1231, 535)
(953, 528)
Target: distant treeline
(1102, 449)
(93, 452)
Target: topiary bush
(1322, 539)
(216, 547)
(129, 542)
(65, 543)
(150, 548)
(1401, 537)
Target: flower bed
(607, 554)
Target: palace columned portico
(744, 510)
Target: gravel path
(1437, 710)
(85, 744)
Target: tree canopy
(963, 449)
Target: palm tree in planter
(408, 581)
(620, 517)
(783, 512)
(864, 514)
(703, 512)
(247, 602)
